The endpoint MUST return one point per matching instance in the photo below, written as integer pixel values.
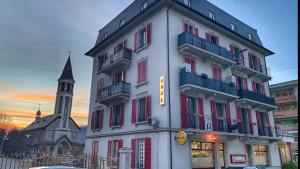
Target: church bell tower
(64, 95)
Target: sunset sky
(35, 37)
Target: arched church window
(62, 87)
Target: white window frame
(250, 36)
(140, 153)
(188, 3)
(212, 15)
(144, 5)
(233, 27)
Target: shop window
(222, 155)
(260, 155)
(202, 155)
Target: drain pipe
(169, 97)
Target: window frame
(233, 27)
(114, 115)
(104, 36)
(250, 36)
(122, 22)
(140, 153)
(212, 15)
(144, 5)
(139, 113)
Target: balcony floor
(118, 64)
(252, 73)
(254, 104)
(119, 97)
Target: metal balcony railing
(205, 82)
(251, 95)
(188, 38)
(110, 91)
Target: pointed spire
(67, 72)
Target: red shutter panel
(120, 145)
(149, 32)
(148, 106)
(259, 123)
(135, 41)
(254, 86)
(245, 83)
(93, 121)
(109, 153)
(239, 118)
(207, 36)
(228, 117)
(193, 66)
(139, 72)
(250, 121)
(201, 114)
(111, 116)
(133, 143)
(94, 151)
(147, 153)
(144, 71)
(186, 27)
(122, 114)
(133, 115)
(100, 120)
(231, 47)
(213, 114)
(184, 113)
(196, 31)
(219, 74)
(215, 73)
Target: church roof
(41, 122)
(67, 72)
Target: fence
(81, 161)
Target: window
(212, 15)
(97, 119)
(241, 83)
(142, 38)
(202, 155)
(260, 155)
(117, 115)
(144, 5)
(141, 109)
(113, 152)
(188, 3)
(213, 39)
(94, 151)
(119, 76)
(250, 36)
(120, 46)
(190, 28)
(104, 36)
(191, 109)
(141, 153)
(142, 71)
(101, 59)
(217, 73)
(244, 121)
(233, 27)
(100, 85)
(62, 87)
(122, 22)
(221, 123)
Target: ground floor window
(222, 155)
(202, 155)
(260, 154)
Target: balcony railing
(205, 83)
(116, 60)
(204, 48)
(113, 92)
(266, 131)
(284, 99)
(257, 97)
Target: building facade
(286, 116)
(161, 67)
(55, 134)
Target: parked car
(55, 167)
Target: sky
(35, 37)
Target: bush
(289, 166)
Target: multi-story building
(286, 116)
(164, 66)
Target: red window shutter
(213, 114)
(245, 84)
(207, 36)
(148, 106)
(120, 145)
(133, 115)
(149, 32)
(133, 143)
(196, 31)
(201, 114)
(239, 118)
(250, 121)
(139, 73)
(254, 86)
(100, 120)
(93, 121)
(109, 153)
(94, 151)
(228, 114)
(184, 113)
(144, 71)
(111, 116)
(193, 65)
(122, 114)
(259, 123)
(217, 73)
(231, 47)
(135, 41)
(186, 27)
(147, 153)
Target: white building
(220, 100)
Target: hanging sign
(162, 90)
(181, 137)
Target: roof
(201, 7)
(284, 85)
(67, 72)
(41, 122)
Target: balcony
(193, 45)
(255, 99)
(266, 131)
(192, 83)
(118, 92)
(285, 99)
(119, 60)
(254, 70)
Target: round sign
(181, 137)
(281, 144)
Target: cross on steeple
(69, 51)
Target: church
(58, 133)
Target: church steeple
(64, 95)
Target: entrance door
(202, 155)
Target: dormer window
(233, 27)
(144, 5)
(104, 36)
(212, 15)
(188, 3)
(250, 36)
(122, 22)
